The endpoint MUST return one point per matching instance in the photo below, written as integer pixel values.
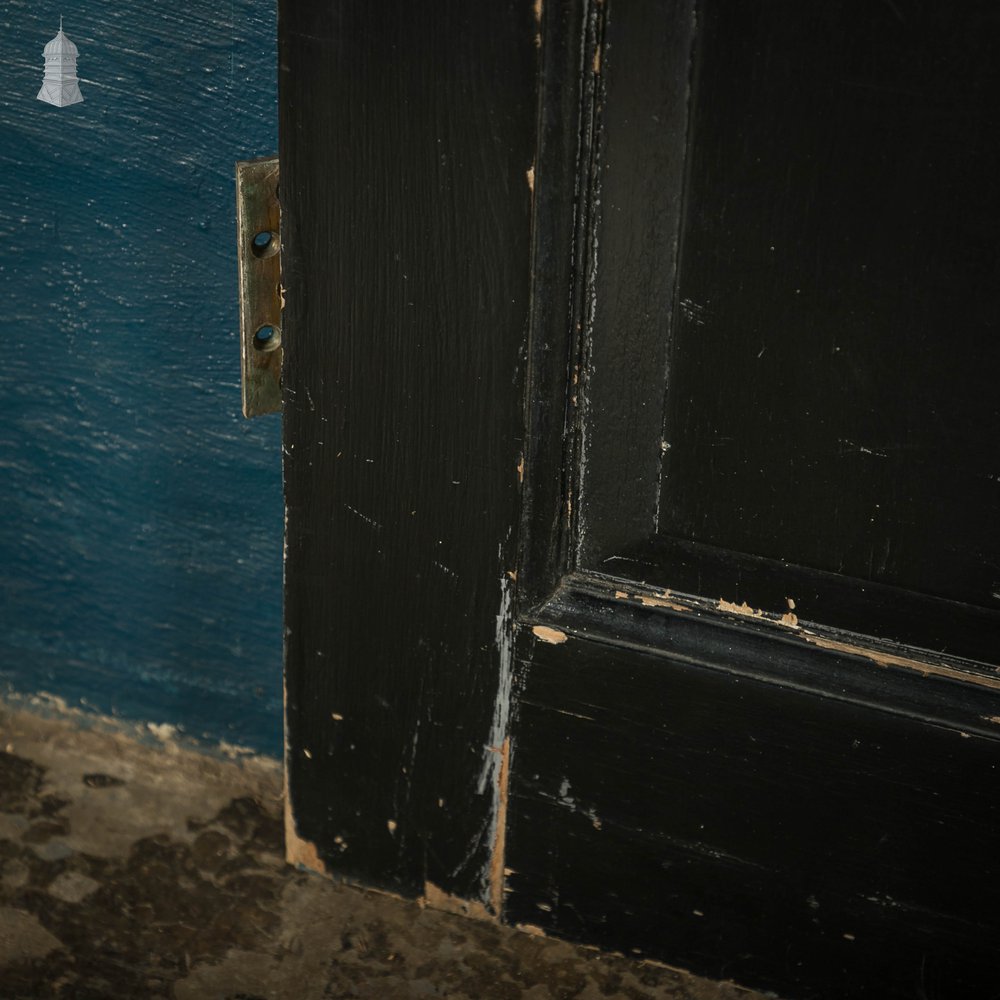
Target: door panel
(591, 623)
(794, 818)
(746, 830)
(832, 397)
(789, 363)
(750, 681)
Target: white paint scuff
(493, 773)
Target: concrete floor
(131, 870)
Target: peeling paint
(739, 609)
(884, 659)
(574, 805)
(298, 851)
(438, 899)
(789, 619)
(547, 634)
(500, 837)
(662, 602)
(531, 929)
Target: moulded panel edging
(561, 179)
(813, 846)
(937, 689)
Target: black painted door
(643, 478)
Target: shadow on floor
(130, 870)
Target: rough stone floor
(129, 870)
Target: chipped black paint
(405, 145)
(705, 782)
(791, 790)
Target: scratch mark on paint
(862, 449)
(995, 719)
(496, 762)
(530, 174)
(547, 634)
(364, 517)
(575, 715)
(693, 312)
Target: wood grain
(406, 142)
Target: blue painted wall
(141, 527)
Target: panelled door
(642, 464)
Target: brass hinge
(258, 231)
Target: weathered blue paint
(140, 515)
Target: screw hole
(267, 338)
(264, 244)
